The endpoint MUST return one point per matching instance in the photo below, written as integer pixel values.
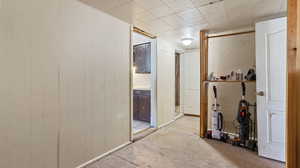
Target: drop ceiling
(177, 19)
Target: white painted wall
(64, 83)
(190, 82)
(165, 81)
(225, 55)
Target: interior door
(191, 82)
(271, 56)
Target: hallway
(179, 146)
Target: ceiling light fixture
(187, 41)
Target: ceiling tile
(104, 5)
(239, 12)
(191, 22)
(144, 16)
(143, 26)
(149, 4)
(215, 9)
(174, 21)
(179, 5)
(200, 3)
(161, 11)
(215, 15)
(191, 15)
(158, 26)
(192, 31)
(137, 9)
(264, 8)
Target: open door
(271, 58)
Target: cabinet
(142, 105)
(142, 58)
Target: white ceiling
(177, 19)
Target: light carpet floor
(179, 146)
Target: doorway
(177, 84)
(143, 83)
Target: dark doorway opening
(177, 84)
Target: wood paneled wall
(165, 82)
(64, 87)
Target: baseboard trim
(170, 122)
(178, 116)
(124, 145)
(141, 131)
(103, 155)
(192, 115)
(144, 134)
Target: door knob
(260, 93)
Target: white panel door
(191, 82)
(271, 56)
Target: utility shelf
(229, 81)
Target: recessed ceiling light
(187, 41)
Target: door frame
(293, 104)
(153, 41)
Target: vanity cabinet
(142, 105)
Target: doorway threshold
(139, 126)
(143, 133)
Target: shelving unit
(229, 81)
(204, 77)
